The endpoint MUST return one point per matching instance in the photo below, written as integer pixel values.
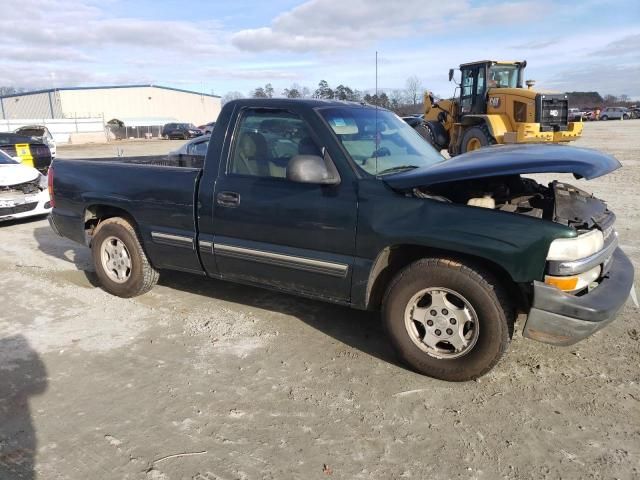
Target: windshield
(6, 159)
(378, 141)
(503, 76)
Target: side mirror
(312, 169)
(451, 74)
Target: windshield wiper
(399, 168)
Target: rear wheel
(447, 320)
(475, 138)
(121, 264)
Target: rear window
(6, 159)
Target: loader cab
(478, 77)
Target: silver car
(615, 113)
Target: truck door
(269, 230)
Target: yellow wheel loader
(491, 106)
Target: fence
(121, 133)
(62, 129)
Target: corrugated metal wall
(37, 105)
(110, 103)
(140, 102)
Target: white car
(23, 190)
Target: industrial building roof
(47, 90)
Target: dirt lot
(205, 380)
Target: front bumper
(532, 133)
(23, 206)
(562, 319)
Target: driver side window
(266, 140)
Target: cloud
(69, 24)
(600, 77)
(247, 74)
(330, 26)
(629, 45)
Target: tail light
(50, 187)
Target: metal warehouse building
(123, 102)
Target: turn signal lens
(563, 283)
(576, 282)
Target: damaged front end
(571, 265)
(587, 278)
(24, 199)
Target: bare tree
(415, 90)
(268, 89)
(259, 93)
(291, 92)
(235, 95)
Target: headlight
(582, 246)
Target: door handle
(228, 199)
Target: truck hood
(16, 174)
(509, 160)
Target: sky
(221, 46)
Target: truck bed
(159, 195)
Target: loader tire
(475, 138)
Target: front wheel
(625, 117)
(475, 138)
(121, 264)
(604, 117)
(447, 320)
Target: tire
(486, 301)
(478, 135)
(140, 276)
(425, 132)
(604, 118)
(625, 117)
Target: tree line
(402, 101)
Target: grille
(26, 188)
(25, 207)
(553, 112)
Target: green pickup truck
(346, 203)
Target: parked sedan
(207, 128)
(180, 131)
(192, 153)
(23, 190)
(615, 113)
(41, 134)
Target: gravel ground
(205, 380)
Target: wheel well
(393, 259)
(95, 214)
